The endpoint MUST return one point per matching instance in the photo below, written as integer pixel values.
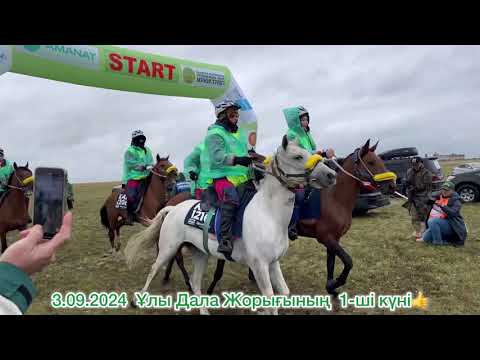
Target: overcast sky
(423, 96)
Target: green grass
(384, 262)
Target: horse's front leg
(347, 266)
(262, 276)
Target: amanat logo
(141, 67)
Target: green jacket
(297, 132)
(5, 172)
(221, 147)
(134, 158)
(16, 286)
(196, 162)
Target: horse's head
(370, 168)
(22, 177)
(165, 171)
(296, 166)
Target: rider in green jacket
(194, 167)
(6, 170)
(298, 120)
(137, 163)
(227, 166)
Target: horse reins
(278, 174)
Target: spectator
(445, 223)
(27, 256)
(419, 189)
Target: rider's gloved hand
(193, 175)
(140, 167)
(242, 160)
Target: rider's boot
(227, 216)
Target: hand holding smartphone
(49, 199)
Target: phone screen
(49, 193)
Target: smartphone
(49, 190)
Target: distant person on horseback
(137, 162)
(181, 185)
(298, 121)
(227, 167)
(194, 167)
(6, 170)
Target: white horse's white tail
(141, 246)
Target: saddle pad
(196, 218)
(311, 208)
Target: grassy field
(384, 262)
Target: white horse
(265, 224)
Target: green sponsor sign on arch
(116, 68)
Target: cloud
(423, 96)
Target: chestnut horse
(14, 203)
(361, 168)
(161, 179)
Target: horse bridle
(369, 183)
(170, 169)
(280, 175)
(23, 182)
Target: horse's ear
(365, 148)
(158, 158)
(168, 156)
(15, 166)
(285, 142)
(374, 147)
(26, 165)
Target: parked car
(460, 169)
(370, 200)
(400, 160)
(467, 185)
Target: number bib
(196, 216)
(121, 202)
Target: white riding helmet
(303, 111)
(224, 105)
(137, 133)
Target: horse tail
(141, 246)
(104, 217)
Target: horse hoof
(165, 281)
(132, 304)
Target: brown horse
(14, 203)
(361, 168)
(162, 177)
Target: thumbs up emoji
(420, 302)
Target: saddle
(311, 208)
(205, 214)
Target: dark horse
(362, 168)
(158, 183)
(14, 203)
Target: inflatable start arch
(111, 67)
